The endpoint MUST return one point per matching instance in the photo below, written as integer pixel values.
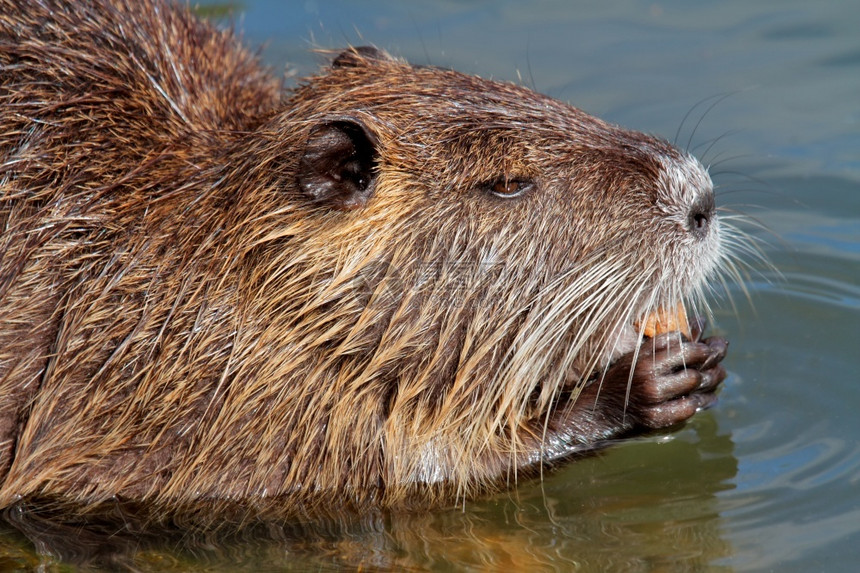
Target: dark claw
(719, 347)
(698, 324)
(711, 378)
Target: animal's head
(458, 255)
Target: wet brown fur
(180, 323)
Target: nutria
(392, 284)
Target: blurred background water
(769, 479)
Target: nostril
(700, 218)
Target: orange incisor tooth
(665, 320)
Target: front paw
(672, 378)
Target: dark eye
(510, 188)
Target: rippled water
(769, 479)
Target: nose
(701, 215)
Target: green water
(769, 479)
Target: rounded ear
(360, 55)
(339, 164)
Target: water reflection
(584, 515)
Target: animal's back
(102, 106)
